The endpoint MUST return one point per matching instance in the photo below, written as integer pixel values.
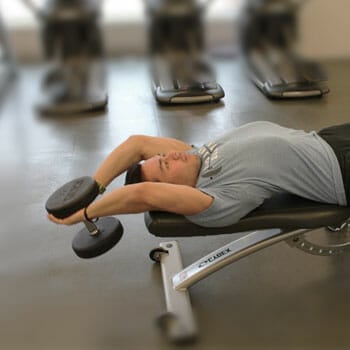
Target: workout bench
(281, 218)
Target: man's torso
(251, 163)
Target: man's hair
(133, 174)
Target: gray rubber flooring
(278, 298)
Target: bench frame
(178, 323)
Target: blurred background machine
(268, 32)
(7, 62)
(181, 72)
(73, 46)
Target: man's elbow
(139, 142)
(135, 140)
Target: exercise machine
(268, 32)
(181, 72)
(98, 236)
(7, 61)
(281, 218)
(72, 42)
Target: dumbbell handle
(92, 228)
(90, 224)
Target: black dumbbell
(97, 237)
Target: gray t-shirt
(253, 162)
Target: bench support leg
(176, 280)
(180, 325)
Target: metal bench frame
(178, 323)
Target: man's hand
(70, 220)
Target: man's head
(179, 168)
(133, 174)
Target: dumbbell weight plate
(72, 196)
(88, 246)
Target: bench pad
(285, 211)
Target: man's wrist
(101, 186)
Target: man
(222, 181)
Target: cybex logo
(214, 257)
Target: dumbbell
(99, 235)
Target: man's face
(174, 167)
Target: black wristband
(86, 216)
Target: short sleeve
(229, 205)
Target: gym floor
(278, 298)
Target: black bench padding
(284, 211)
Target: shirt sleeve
(229, 205)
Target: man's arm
(133, 150)
(143, 197)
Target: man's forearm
(124, 200)
(145, 196)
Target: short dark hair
(133, 174)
